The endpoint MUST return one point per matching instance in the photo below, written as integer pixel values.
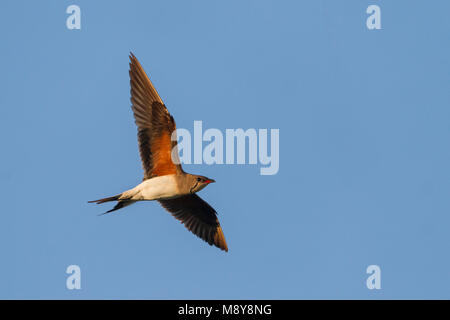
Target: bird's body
(157, 188)
(164, 178)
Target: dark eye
(199, 179)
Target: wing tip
(136, 71)
(219, 240)
(134, 62)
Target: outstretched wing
(198, 217)
(155, 125)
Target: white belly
(163, 187)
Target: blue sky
(364, 148)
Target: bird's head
(199, 182)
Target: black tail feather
(119, 205)
(114, 198)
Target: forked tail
(121, 204)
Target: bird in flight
(164, 179)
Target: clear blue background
(364, 123)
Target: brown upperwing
(198, 217)
(155, 125)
